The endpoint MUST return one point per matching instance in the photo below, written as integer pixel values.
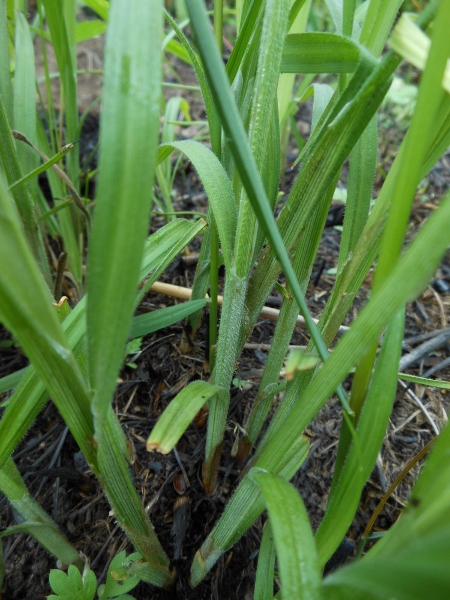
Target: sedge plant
(76, 353)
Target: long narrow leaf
(33, 320)
(24, 94)
(179, 414)
(206, 94)
(239, 147)
(437, 383)
(266, 565)
(6, 92)
(242, 43)
(44, 530)
(128, 144)
(164, 317)
(9, 382)
(294, 541)
(38, 170)
(162, 247)
(31, 394)
(408, 278)
(54, 13)
(319, 53)
(410, 562)
(218, 189)
(21, 195)
(243, 509)
(360, 184)
(350, 478)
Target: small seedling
(75, 586)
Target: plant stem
(216, 141)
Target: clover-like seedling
(71, 585)
(74, 586)
(118, 582)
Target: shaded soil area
(170, 486)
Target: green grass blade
(6, 91)
(296, 7)
(31, 394)
(419, 571)
(219, 192)
(350, 477)
(87, 30)
(263, 111)
(335, 8)
(176, 234)
(334, 140)
(56, 187)
(406, 281)
(244, 160)
(421, 130)
(24, 96)
(100, 7)
(360, 183)
(233, 311)
(46, 165)
(164, 171)
(174, 47)
(411, 560)
(294, 540)
(227, 346)
(378, 23)
(9, 382)
(353, 273)
(323, 93)
(319, 53)
(150, 322)
(22, 197)
(206, 94)
(128, 147)
(348, 15)
(437, 383)
(266, 566)
(419, 136)
(303, 261)
(364, 253)
(61, 174)
(129, 512)
(24, 406)
(243, 509)
(33, 320)
(43, 528)
(59, 32)
(162, 247)
(246, 31)
(232, 124)
(179, 414)
(297, 23)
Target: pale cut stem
(183, 293)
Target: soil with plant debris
(170, 486)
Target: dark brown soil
(56, 475)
